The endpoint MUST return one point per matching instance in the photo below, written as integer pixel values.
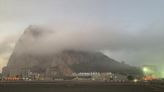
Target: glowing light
(149, 78)
(145, 69)
(135, 80)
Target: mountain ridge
(65, 61)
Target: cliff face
(65, 61)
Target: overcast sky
(140, 18)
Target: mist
(140, 47)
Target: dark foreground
(77, 86)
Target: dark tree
(130, 77)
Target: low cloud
(136, 48)
(7, 45)
(93, 38)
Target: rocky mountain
(65, 61)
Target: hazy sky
(140, 18)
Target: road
(70, 86)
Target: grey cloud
(7, 44)
(96, 38)
(142, 47)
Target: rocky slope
(66, 61)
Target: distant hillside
(65, 61)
